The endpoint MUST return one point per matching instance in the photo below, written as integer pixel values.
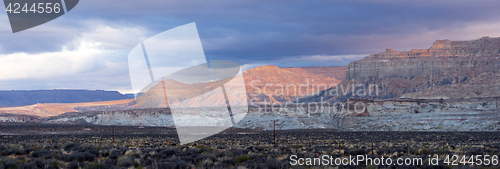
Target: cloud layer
(88, 47)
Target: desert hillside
(284, 85)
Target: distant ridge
(30, 97)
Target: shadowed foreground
(87, 146)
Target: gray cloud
(255, 32)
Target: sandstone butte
(447, 70)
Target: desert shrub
(147, 162)
(98, 166)
(7, 152)
(110, 161)
(174, 165)
(146, 150)
(73, 165)
(114, 154)
(124, 161)
(48, 147)
(267, 163)
(105, 153)
(23, 151)
(78, 148)
(167, 153)
(188, 159)
(194, 151)
(87, 146)
(201, 146)
(189, 151)
(6, 162)
(93, 151)
(236, 152)
(39, 153)
(208, 163)
(382, 151)
(400, 150)
(153, 155)
(134, 153)
(21, 158)
(68, 157)
(104, 147)
(79, 156)
(423, 151)
(242, 159)
(201, 158)
(15, 149)
(57, 155)
(36, 163)
(123, 149)
(474, 151)
(89, 156)
(68, 146)
(225, 163)
(358, 152)
(53, 164)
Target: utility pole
(113, 134)
(274, 132)
(310, 146)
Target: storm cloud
(252, 33)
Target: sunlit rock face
(263, 84)
(467, 67)
(271, 84)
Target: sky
(87, 48)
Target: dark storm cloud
(252, 33)
(270, 30)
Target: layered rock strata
(467, 66)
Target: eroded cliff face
(9, 118)
(478, 114)
(396, 73)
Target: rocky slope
(449, 69)
(306, 80)
(478, 114)
(264, 84)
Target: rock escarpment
(466, 66)
(478, 114)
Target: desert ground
(92, 146)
